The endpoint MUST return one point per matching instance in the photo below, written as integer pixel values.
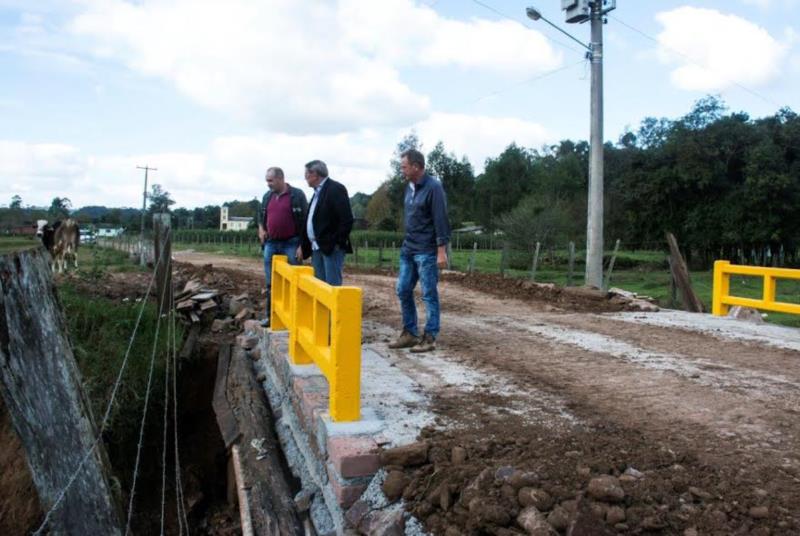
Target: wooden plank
(681, 275)
(271, 502)
(204, 296)
(41, 385)
(206, 305)
(225, 420)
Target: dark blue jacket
(425, 217)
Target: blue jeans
(421, 267)
(328, 268)
(278, 247)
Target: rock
(394, 485)
(502, 474)
(630, 471)
(407, 455)
(652, 523)
(584, 471)
(598, 509)
(760, 493)
(691, 531)
(302, 500)
(642, 305)
(621, 292)
(445, 497)
(488, 512)
(477, 486)
(615, 515)
(559, 518)
(521, 479)
(587, 524)
(244, 314)
(458, 455)
(510, 494)
(535, 497)
(217, 325)
(759, 512)
(246, 342)
(748, 314)
(384, 523)
(571, 506)
(606, 488)
(700, 494)
(235, 306)
(534, 522)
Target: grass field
(643, 272)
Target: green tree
(458, 181)
(160, 200)
(59, 208)
(16, 203)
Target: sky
(211, 93)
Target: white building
(232, 223)
(109, 231)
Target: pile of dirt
(585, 299)
(503, 480)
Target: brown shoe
(426, 344)
(405, 340)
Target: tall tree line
(725, 184)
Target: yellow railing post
(345, 380)
(722, 283)
(301, 314)
(769, 288)
(278, 293)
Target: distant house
(473, 229)
(110, 232)
(232, 223)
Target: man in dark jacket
(326, 233)
(280, 224)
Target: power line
(693, 61)
(509, 17)
(529, 81)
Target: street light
(580, 11)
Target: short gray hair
(276, 172)
(414, 157)
(318, 167)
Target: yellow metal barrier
(722, 299)
(324, 324)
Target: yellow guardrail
(324, 324)
(722, 300)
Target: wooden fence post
(607, 281)
(472, 259)
(162, 249)
(535, 263)
(571, 265)
(681, 274)
(504, 260)
(41, 386)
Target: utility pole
(594, 11)
(594, 220)
(144, 209)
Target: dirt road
(703, 412)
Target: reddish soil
(19, 504)
(707, 426)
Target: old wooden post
(673, 288)
(535, 262)
(571, 264)
(504, 260)
(380, 254)
(607, 281)
(162, 255)
(472, 257)
(449, 256)
(681, 274)
(41, 386)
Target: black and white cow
(61, 239)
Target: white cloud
(233, 167)
(303, 67)
(724, 50)
(479, 137)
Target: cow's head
(40, 226)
